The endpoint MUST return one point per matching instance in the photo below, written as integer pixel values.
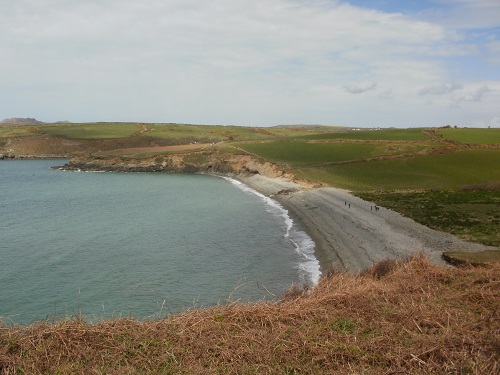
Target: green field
(472, 135)
(178, 131)
(331, 155)
(168, 131)
(92, 130)
(448, 171)
(372, 135)
(300, 153)
(17, 131)
(225, 133)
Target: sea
(146, 245)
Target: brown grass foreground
(397, 318)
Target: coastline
(308, 266)
(349, 233)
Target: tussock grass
(398, 317)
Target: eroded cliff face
(215, 162)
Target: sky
(380, 63)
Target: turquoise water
(140, 244)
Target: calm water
(114, 244)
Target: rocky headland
(210, 161)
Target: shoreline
(349, 233)
(308, 266)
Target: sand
(349, 232)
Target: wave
(309, 269)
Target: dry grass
(398, 318)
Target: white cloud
(472, 96)
(441, 89)
(259, 62)
(359, 87)
(387, 94)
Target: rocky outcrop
(11, 156)
(216, 162)
(20, 121)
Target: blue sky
(252, 62)
(402, 6)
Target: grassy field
(181, 131)
(165, 131)
(397, 318)
(92, 130)
(372, 135)
(472, 135)
(302, 153)
(17, 131)
(316, 161)
(311, 152)
(225, 133)
(448, 171)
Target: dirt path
(350, 233)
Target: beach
(351, 233)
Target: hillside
(395, 318)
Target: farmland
(91, 131)
(469, 135)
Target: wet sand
(349, 232)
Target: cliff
(213, 161)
